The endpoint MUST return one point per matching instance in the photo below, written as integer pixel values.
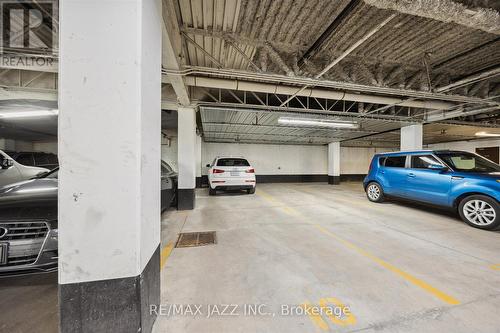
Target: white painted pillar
(109, 153)
(186, 150)
(198, 161)
(412, 137)
(334, 163)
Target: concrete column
(412, 137)
(186, 160)
(198, 161)
(109, 152)
(334, 163)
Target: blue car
(462, 181)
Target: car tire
(480, 211)
(212, 191)
(251, 191)
(374, 192)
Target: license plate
(3, 253)
(234, 173)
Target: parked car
(228, 173)
(36, 159)
(168, 186)
(28, 222)
(28, 226)
(12, 171)
(463, 181)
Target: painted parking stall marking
(444, 297)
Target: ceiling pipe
(323, 38)
(438, 116)
(484, 75)
(343, 55)
(206, 82)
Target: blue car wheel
(480, 211)
(374, 192)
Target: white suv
(227, 173)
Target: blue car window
(423, 161)
(395, 161)
(468, 162)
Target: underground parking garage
(252, 166)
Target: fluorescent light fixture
(328, 123)
(28, 114)
(485, 134)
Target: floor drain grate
(190, 239)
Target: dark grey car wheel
(480, 211)
(212, 191)
(374, 192)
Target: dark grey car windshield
(467, 162)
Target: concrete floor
(398, 267)
(29, 304)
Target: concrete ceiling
(426, 51)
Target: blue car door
(425, 182)
(392, 175)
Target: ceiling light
(485, 134)
(28, 114)
(329, 123)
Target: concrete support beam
(198, 161)
(109, 154)
(334, 163)
(186, 160)
(412, 137)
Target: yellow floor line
(408, 277)
(495, 267)
(165, 253)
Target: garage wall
(46, 147)
(356, 161)
(271, 159)
(292, 159)
(466, 145)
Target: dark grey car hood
(30, 192)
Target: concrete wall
(291, 159)
(470, 145)
(17, 145)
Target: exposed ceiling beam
(325, 36)
(172, 46)
(311, 92)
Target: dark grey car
(28, 221)
(28, 226)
